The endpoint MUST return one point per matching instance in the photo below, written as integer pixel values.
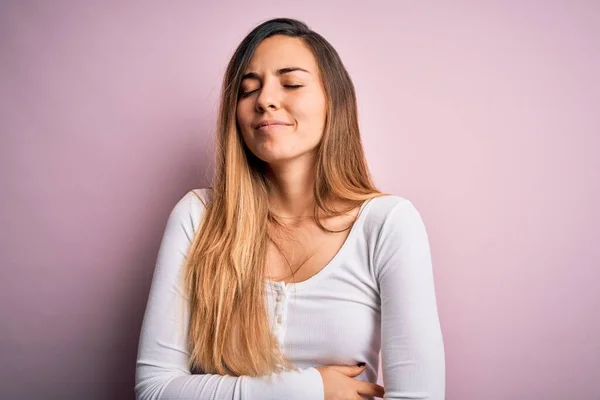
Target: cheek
(239, 115)
(243, 122)
(311, 110)
(245, 112)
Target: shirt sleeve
(162, 370)
(412, 349)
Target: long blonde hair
(225, 268)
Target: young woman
(293, 268)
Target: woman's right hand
(339, 385)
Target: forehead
(281, 51)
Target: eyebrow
(280, 71)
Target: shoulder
(188, 210)
(384, 210)
(194, 199)
(395, 222)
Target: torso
(313, 242)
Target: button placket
(280, 312)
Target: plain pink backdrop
(485, 114)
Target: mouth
(272, 127)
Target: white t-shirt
(375, 297)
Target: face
(282, 83)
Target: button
(279, 318)
(279, 297)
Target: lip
(271, 128)
(270, 122)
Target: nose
(268, 98)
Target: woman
(291, 270)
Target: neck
(291, 193)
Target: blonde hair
(225, 269)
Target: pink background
(485, 114)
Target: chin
(275, 158)
(275, 153)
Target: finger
(349, 370)
(370, 389)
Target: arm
(412, 347)
(162, 370)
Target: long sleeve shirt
(375, 298)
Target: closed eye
(247, 94)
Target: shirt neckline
(296, 286)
